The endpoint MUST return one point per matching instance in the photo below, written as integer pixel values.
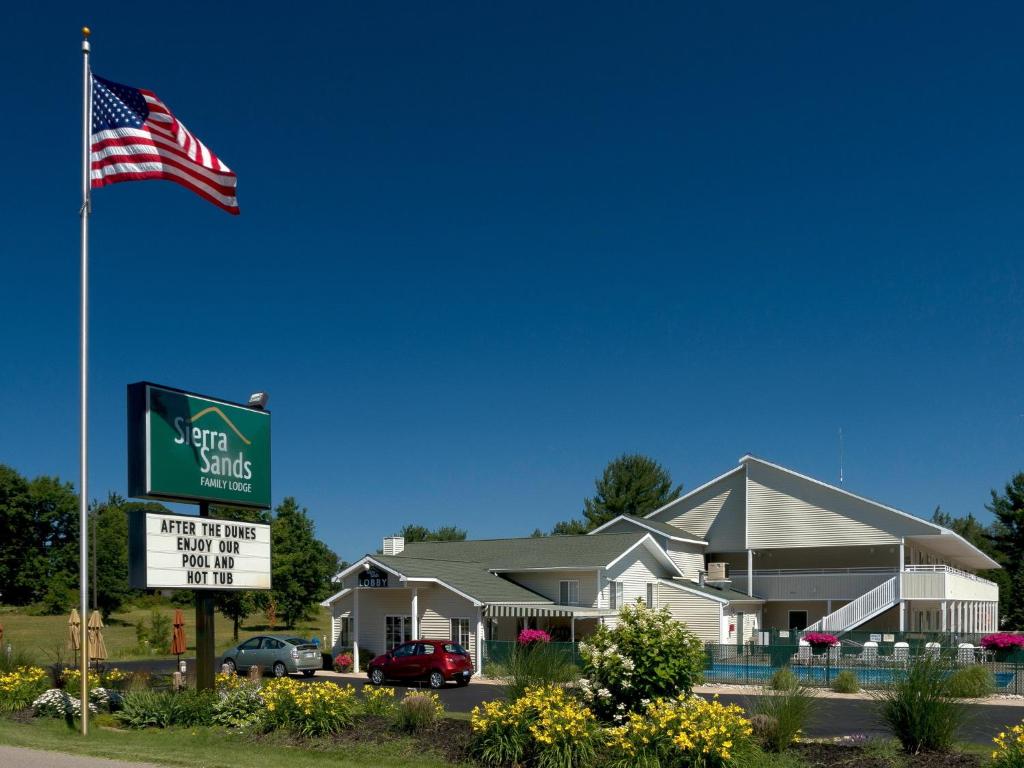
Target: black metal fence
(873, 667)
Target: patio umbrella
(178, 645)
(74, 631)
(97, 648)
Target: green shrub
(918, 708)
(973, 682)
(784, 679)
(378, 701)
(162, 709)
(779, 716)
(418, 710)
(647, 656)
(530, 666)
(238, 707)
(309, 709)
(846, 682)
(20, 687)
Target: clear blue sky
(483, 250)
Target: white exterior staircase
(880, 599)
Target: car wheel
(229, 666)
(308, 672)
(280, 670)
(377, 676)
(436, 680)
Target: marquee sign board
(373, 577)
(191, 448)
(168, 551)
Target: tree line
(39, 552)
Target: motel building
(759, 547)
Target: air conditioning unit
(717, 572)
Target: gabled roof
(655, 526)
(471, 580)
(530, 553)
(694, 492)
(723, 594)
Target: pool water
(762, 673)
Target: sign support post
(206, 651)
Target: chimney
(701, 575)
(394, 545)
(717, 573)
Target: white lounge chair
(804, 655)
(901, 653)
(965, 653)
(934, 650)
(869, 653)
(834, 653)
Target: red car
(436, 661)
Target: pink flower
(1002, 641)
(343, 661)
(528, 636)
(821, 638)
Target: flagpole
(83, 482)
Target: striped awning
(526, 610)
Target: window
(272, 644)
(345, 631)
(425, 649)
(251, 645)
(652, 594)
(397, 630)
(569, 592)
(460, 631)
(404, 650)
(615, 594)
(798, 619)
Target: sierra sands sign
(181, 552)
(186, 447)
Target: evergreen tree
(413, 533)
(632, 484)
(1008, 509)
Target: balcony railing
(947, 569)
(812, 583)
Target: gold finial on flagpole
(86, 31)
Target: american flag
(135, 137)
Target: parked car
(279, 655)
(436, 661)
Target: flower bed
(18, 689)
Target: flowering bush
(821, 639)
(646, 656)
(1009, 751)
(528, 636)
(229, 681)
(18, 689)
(239, 704)
(378, 701)
(343, 662)
(418, 710)
(546, 727)
(105, 699)
(311, 709)
(682, 731)
(1002, 641)
(60, 704)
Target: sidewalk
(37, 758)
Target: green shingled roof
(471, 578)
(725, 593)
(521, 554)
(665, 528)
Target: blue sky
(484, 250)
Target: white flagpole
(83, 482)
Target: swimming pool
(762, 673)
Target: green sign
(186, 447)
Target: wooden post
(205, 645)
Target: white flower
(604, 693)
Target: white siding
(716, 513)
(546, 583)
(689, 558)
(788, 511)
(702, 615)
(636, 571)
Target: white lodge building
(758, 547)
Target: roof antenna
(840, 455)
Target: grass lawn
(45, 637)
(210, 748)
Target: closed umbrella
(74, 631)
(97, 648)
(178, 645)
